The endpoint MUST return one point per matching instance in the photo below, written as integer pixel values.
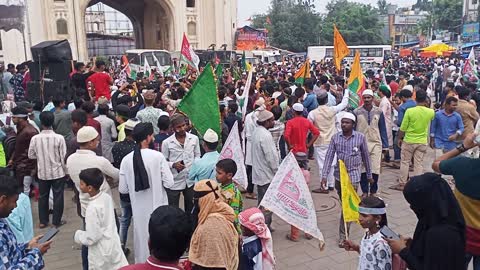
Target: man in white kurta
(144, 200)
(100, 235)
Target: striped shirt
(352, 150)
(49, 149)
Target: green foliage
(444, 15)
(382, 7)
(358, 23)
(294, 24)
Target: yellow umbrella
(439, 48)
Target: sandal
(251, 196)
(62, 222)
(320, 190)
(308, 236)
(398, 187)
(289, 237)
(42, 226)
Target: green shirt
(233, 197)
(415, 124)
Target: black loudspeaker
(52, 51)
(50, 89)
(57, 71)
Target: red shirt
(394, 87)
(94, 123)
(151, 264)
(296, 133)
(101, 82)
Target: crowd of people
(122, 137)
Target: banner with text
(289, 198)
(233, 149)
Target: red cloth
(94, 123)
(296, 133)
(394, 87)
(101, 81)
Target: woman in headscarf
(439, 239)
(214, 243)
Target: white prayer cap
(408, 87)
(131, 123)
(298, 107)
(86, 134)
(367, 92)
(260, 101)
(347, 115)
(210, 136)
(264, 115)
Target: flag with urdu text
(303, 73)
(188, 55)
(350, 199)
(340, 48)
(355, 82)
(200, 104)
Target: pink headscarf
(254, 220)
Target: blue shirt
(444, 126)
(403, 108)
(20, 220)
(14, 255)
(310, 102)
(204, 168)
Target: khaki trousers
(409, 150)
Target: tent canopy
(11, 14)
(439, 48)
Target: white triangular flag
(232, 149)
(289, 198)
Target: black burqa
(140, 133)
(439, 239)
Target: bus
(368, 53)
(268, 56)
(136, 58)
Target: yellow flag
(350, 199)
(339, 47)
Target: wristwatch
(461, 148)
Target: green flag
(201, 103)
(183, 70)
(244, 62)
(168, 71)
(133, 75)
(219, 73)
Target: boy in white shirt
(100, 235)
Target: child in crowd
(257, 245)
(226, 169)
(100, 235)
(302, 161)
(375, 253)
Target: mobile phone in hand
(388, 233)
(48, 235)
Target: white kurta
(386, 108)
(146, 201)
(101, 237)
(250, 125)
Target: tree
(259, 21)
(358, 23)
(294, 24)
(382, 7)
(444, 15)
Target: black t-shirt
(79, 80)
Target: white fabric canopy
(11, 14)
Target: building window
(192, 29)
(58, 0)
(159, 35)
(62, 28)
(190, 3)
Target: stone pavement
(65, 254)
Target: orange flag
(339, 47)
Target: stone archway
(144, 15)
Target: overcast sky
(247, 8)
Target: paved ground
(65, 254)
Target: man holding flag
(351, 147)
